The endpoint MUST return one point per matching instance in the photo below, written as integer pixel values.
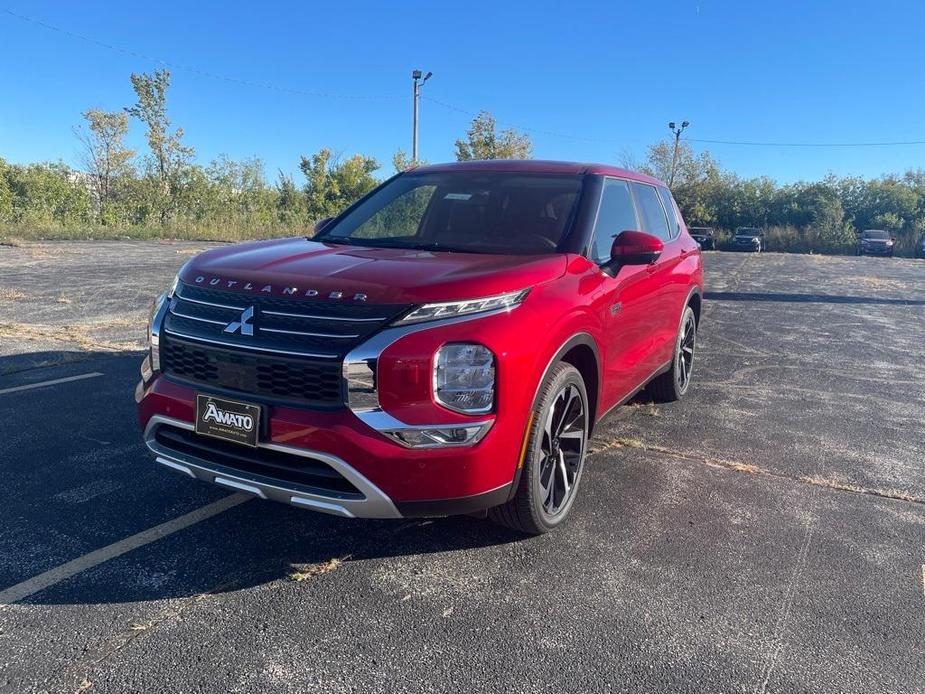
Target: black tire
(536, 509)
(674, 383)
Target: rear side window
(651, 213)
(674, 216)
(614, 216)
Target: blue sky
(591, 80)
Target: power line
(451, 107)
(194, 70)
(570, 136)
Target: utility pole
(674, 157)
(418, 83)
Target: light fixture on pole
(419, 81)
(674, 156)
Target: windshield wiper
(397, 243)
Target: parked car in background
(391, 366)
(920, 248)
(704, 236)
(748, 239)
(875, 242)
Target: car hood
(300, 268)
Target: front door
(624, 303)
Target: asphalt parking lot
(765, 535)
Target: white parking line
(54, 382)
(88, 561)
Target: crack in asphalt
(816, 481)
(122, 639)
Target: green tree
(483, 141)
(6, 195)
(170, 157)
(331, 184)
(696, 177)
(105, 156)
(45, 195)
(290, 202)
(402, 162)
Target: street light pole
(674, 156)
(419, 81)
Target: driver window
(615, 214)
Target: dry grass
(831, 483)
(11, 294)
(306, 572)
(12, 242)
(79, 334)
(879, 283)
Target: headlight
(464, 378)
(450, 309)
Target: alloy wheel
(686, 352)
(562, 448)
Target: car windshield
(471, 212)
(875, 234)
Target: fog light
(464, 378)
(439, 437)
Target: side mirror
(634, 248)
(322, 223)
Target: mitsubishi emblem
(243, 324)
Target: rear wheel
(673, 384)
(555, 455)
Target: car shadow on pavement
(809, 298)
(262, 542)
(79, 478)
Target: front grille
(305, 381)
(272, 347)
(312, 474)
(295, 326)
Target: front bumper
(370, 503)
(388, 478)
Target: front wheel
(555, 455)
(673, 384)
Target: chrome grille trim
(202, 320)
(242, 345)
(311, 317)
(298, 332)
(180, 296)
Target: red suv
(445, 345)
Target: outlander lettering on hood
(268, 289)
